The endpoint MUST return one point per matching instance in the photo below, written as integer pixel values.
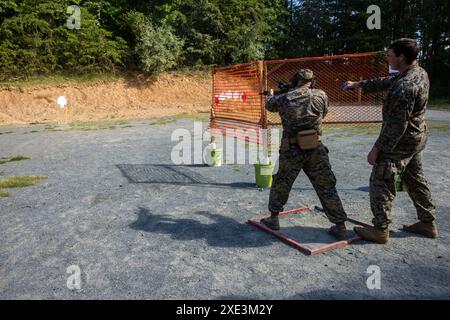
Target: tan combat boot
(373, 234)
(272, 222)
(339, 231)
(427, 229)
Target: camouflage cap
(305, 74)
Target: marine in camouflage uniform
(401, 143)
(303, 109)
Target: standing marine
(399, 147)
(301, 110)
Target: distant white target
(61, 101)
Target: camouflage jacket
(403, 129)
(300, 109)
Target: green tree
(34, 38)
(223, 32)
(157, 49)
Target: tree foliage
(156, 49)
(158, 35)
(34, 38)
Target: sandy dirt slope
(125, 98)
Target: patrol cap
(305, 74)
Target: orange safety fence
(238, 102)
(237, 92)
(330, 73)
(237, 89)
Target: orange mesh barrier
(330, 72)
(237, 90)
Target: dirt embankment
(125, 98)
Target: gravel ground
(140, 227)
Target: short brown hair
(408, 47)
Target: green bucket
(216, 157)
(263, 174)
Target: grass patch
(351, 130)
(65, 78)
(438, 127)
(18, 158)
(83, 124)
(81, 129)
(441, 103)
(58, 79)
(4, 194)
(8, 132)
(203, 72)
(110, 127)
(200, 116)
(121, 122)
(236, 167)
(347, 131)
(51, 127)
(162, 121)
(20, 181)
(96, 125)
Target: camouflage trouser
(382, 188)
(316, 165)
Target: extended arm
(376, 85)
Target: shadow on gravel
(183, 176)
(173, 174)
(358, 291)
(224, 231)
(403, 234)
(358, 295)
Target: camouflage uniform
(303, 109)
(401, 143)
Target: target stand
(303, 247)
